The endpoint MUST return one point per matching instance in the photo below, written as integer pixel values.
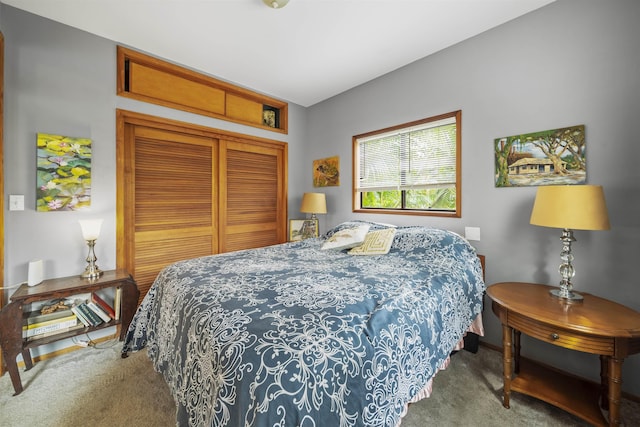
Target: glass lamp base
(564, 294)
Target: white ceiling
(304, 53)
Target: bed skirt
(476, 328)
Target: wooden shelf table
(11, 316)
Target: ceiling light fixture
(276, 4)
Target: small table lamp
(314, 203)
(570, 207)
(90, 232)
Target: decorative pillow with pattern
(377, 242)
(347, 238)
(356, 223)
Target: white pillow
(377, 242)
(346, 239)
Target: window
(412, 168)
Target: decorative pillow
(346, 239)
(356, 223)
(376, 243)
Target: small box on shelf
(270, 116)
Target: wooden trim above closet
(156, 81)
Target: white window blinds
(418, 157)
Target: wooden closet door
(185, 191)
(173, 189)
(253, 196)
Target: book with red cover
(103, 305)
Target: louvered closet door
(252, 196)
(175, 203)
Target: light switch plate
(16, 202)
(472, 233)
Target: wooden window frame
(356, 194)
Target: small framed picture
(300, 229)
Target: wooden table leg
(604, 382)
(615, 386)
(11, 342)
(507, 333)
(26, 356)
(516, 349)
(14, 374)
(129, 304)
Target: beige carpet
(95, 387)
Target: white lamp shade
(314, 203)
(90, 228)
(577, 207)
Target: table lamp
(90, 232)
(570, 207)
(314, 203)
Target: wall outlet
(16, 202)
(472, 233)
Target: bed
(302, 334)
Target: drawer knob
(554, 336)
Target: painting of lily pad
(63, 173)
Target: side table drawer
(561, 337)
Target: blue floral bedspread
(291, 335)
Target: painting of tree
(551, 157)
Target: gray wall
(62, 80)
(571, 62)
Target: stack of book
(95, 311)
(90, 313)
(37, 325)
(101, 302)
